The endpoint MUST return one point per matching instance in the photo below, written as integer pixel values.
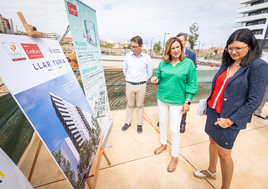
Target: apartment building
(75, 121)
(254, 17)
(6, 25)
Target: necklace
(236, 64)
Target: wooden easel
(94, 171)
(29, 28)
(94, 168)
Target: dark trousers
(183, 119)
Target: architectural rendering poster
(10, 174)
(85, 35)
(42, 82)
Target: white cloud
(120, 20)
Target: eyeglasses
(134, 47)
(237, 49)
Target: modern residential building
(254, 17)
(6, 25)
(75, 121)
(52, 36)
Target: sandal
(170, 168)
(201, 175)
(160, 149)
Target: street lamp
(164, 41)
(151, 46)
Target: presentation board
(39, 77)
(83, 24)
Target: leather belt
(139, 83)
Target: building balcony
(246, 1)
(252, 27)
(251, 18)
(246, 10)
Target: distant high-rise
(6, 25)
(255, 14)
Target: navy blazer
(243, 93)
(191, 55)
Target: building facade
(254, 17)
(6, 25)
(75, 121)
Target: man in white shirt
(137, 68)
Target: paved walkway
(134, 165)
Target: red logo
(72, 9)
(32, 51)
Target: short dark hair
(246, 36)
(183, 34)
(137, 39)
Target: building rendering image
(75, 121)
(254, 14)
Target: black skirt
(223, 137)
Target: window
(257, 32)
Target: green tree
(157, 47)
(193, 35)
(129, 45)
(216, 51)
(65, 166)
(87, 151)
(1, 31)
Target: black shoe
(158, 124)
(139, 129)
(182, 128)
(125, 127)
(258, 116)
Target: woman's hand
(154, 80)
(185, 108)
(224, 122)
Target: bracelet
(228, 123)
(187, 101)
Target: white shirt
(137, 69)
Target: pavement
(134, 165)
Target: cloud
(120, 20)
(56, 143)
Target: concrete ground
(134, 164)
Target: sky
(120, 20)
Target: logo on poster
(72, 9)
(2, 175)
(14, 50)
(32, 51)
(54, 50)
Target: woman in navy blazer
(237, 91)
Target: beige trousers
(264, 100)
(135, 92)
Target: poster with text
(40, 79)
(10, 174)
(83, 24)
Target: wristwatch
(188, 101)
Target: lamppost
(164, 41)
(151, 46)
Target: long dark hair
(246, 36)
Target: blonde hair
(167, 57)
